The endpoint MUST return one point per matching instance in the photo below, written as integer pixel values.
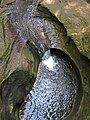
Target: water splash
(54, 92)
(49, 63)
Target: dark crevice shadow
(88, 1)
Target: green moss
(73, 23)
(16, 114)
(86, 88)
(87, 118)
(11, 107)
(82, 19)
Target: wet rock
(36, 26)
(13, 91)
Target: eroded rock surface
(12, 93)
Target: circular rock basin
(57, 92)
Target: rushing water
(36, 25)
(55, 90)
(58, 85)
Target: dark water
(55, 91)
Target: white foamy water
(49, 63)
